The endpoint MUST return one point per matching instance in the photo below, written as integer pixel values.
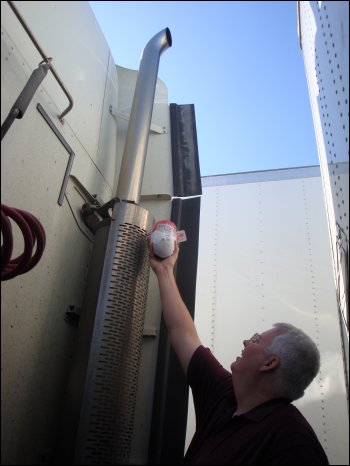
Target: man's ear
(270, 363)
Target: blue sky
(241, 66)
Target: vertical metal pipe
(131, 172)
(107, 408)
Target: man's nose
(245, 343)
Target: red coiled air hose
(33, 232)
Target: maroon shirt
(274, 433)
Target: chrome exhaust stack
(103, 383)
(135, 149)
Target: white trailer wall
(324, 42)
(264, 257)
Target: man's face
(252, 356)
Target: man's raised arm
(178, 320)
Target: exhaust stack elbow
(135, 149)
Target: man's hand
(160, 265)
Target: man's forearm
(180, 325)
(175, 312)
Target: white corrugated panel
(264, 257)
(324, 39)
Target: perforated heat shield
(107, 414)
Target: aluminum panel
(324, 38)
(91, 79)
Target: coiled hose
(33, 233)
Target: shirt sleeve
(209, 381)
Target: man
(245, 417)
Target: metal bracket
(154, 128)
(150, 332)
(45, 59)
(94, 214)
(72, 315)
(68, 149)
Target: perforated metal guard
(107, 417)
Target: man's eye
(255, 338)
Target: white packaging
(163, 238)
